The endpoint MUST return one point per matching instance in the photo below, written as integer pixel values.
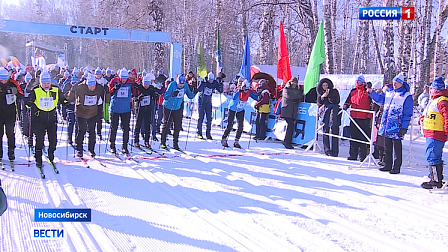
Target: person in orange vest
(435, 128)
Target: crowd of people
(84, 98)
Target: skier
(435, 128)
(173, 98)
(70, 109)
(145, 103)
(103, 82)
(43, 101)
(87, 96)
(236, 107)
(263, 107)
(159, 90)
(121, 89)
(9, 92)
(25, 116)
(205, 90)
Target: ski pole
(188, 128)
(251, 127)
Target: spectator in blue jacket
(397, 114)
(236, 107)
(172, 100)
(205, 91)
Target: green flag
(202, 69)
(317, 57)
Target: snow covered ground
(266, 198)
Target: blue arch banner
(83, 31)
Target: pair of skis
(11, 163)
(39, 168)
(169, 148)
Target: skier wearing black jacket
(146, 94)
(10, 91)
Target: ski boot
(154, 138)
(236, 144)
(51, 156)
(224, 143)
(112, 149)
(92, 153)
(163, 146)
(11, 155)
(137, 145)
(147, 145)
(79, 153)
(176, 146)
(209, 137)
(125, 151)
(200, 137)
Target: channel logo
(386, 13)
(48, 233)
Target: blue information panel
(62, 215)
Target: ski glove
(175, 93)
(116, 87)
(345, 107)
(140, 97)
(402, 132)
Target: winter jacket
(359, 99)
(146, 97)
(9, 93)
(103, 82)
(173, 103)
(205, 91)
(86, 101)
(398, 109)
(263, 104)
(239, 100)
(43, 104)
(435, 123)
(120, 101)
(291, 97)
(332, 97)
(311, 96)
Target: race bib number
(208, 91)
(145, 101)
(100, 101)
(123, 92)
(46, 102)
(89, 100)
(241, 104)
(181, 93)
(10, 99)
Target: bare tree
(438, 45)
(388, 42)
(329, 64)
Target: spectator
(435, 129)
(328, 102)
(358, 98)
(379, 151)
(423, 99)
(291, 97)
(397, 114)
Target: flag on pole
(317, 57)
(218, 54)
(245, 65)
(201, 69)
(283, 66)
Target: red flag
(283, 67)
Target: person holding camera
(328, 102)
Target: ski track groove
(351, 229)
(215, 222)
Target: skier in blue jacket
(205, 91)
(172, 112)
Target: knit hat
(45, 77)
(361, 78)
(134, 71)
(144, 72)
(86, 74)
(91, 79)
(377, 85)
(3, 74)
(181, 79)
(103, 71)
(74, 78)
(98, 70)
(108, 70)
(211, 76)
(438, 84)
(75, 70)
(28, 77)
(147, 80)
(151, 76)
(123, 74)
(294, 79)
(399, 78)
(66, 74)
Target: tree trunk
(329, 64)
(333, 35)
(266, 35)
(308, 18)
(159, 52)
(377, 48)
(185, 44)
(364, 47)
(243, 21)
(356, 54)
(405, 42)
(343, 34)
(438, 50)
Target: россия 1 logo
(386, 13)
